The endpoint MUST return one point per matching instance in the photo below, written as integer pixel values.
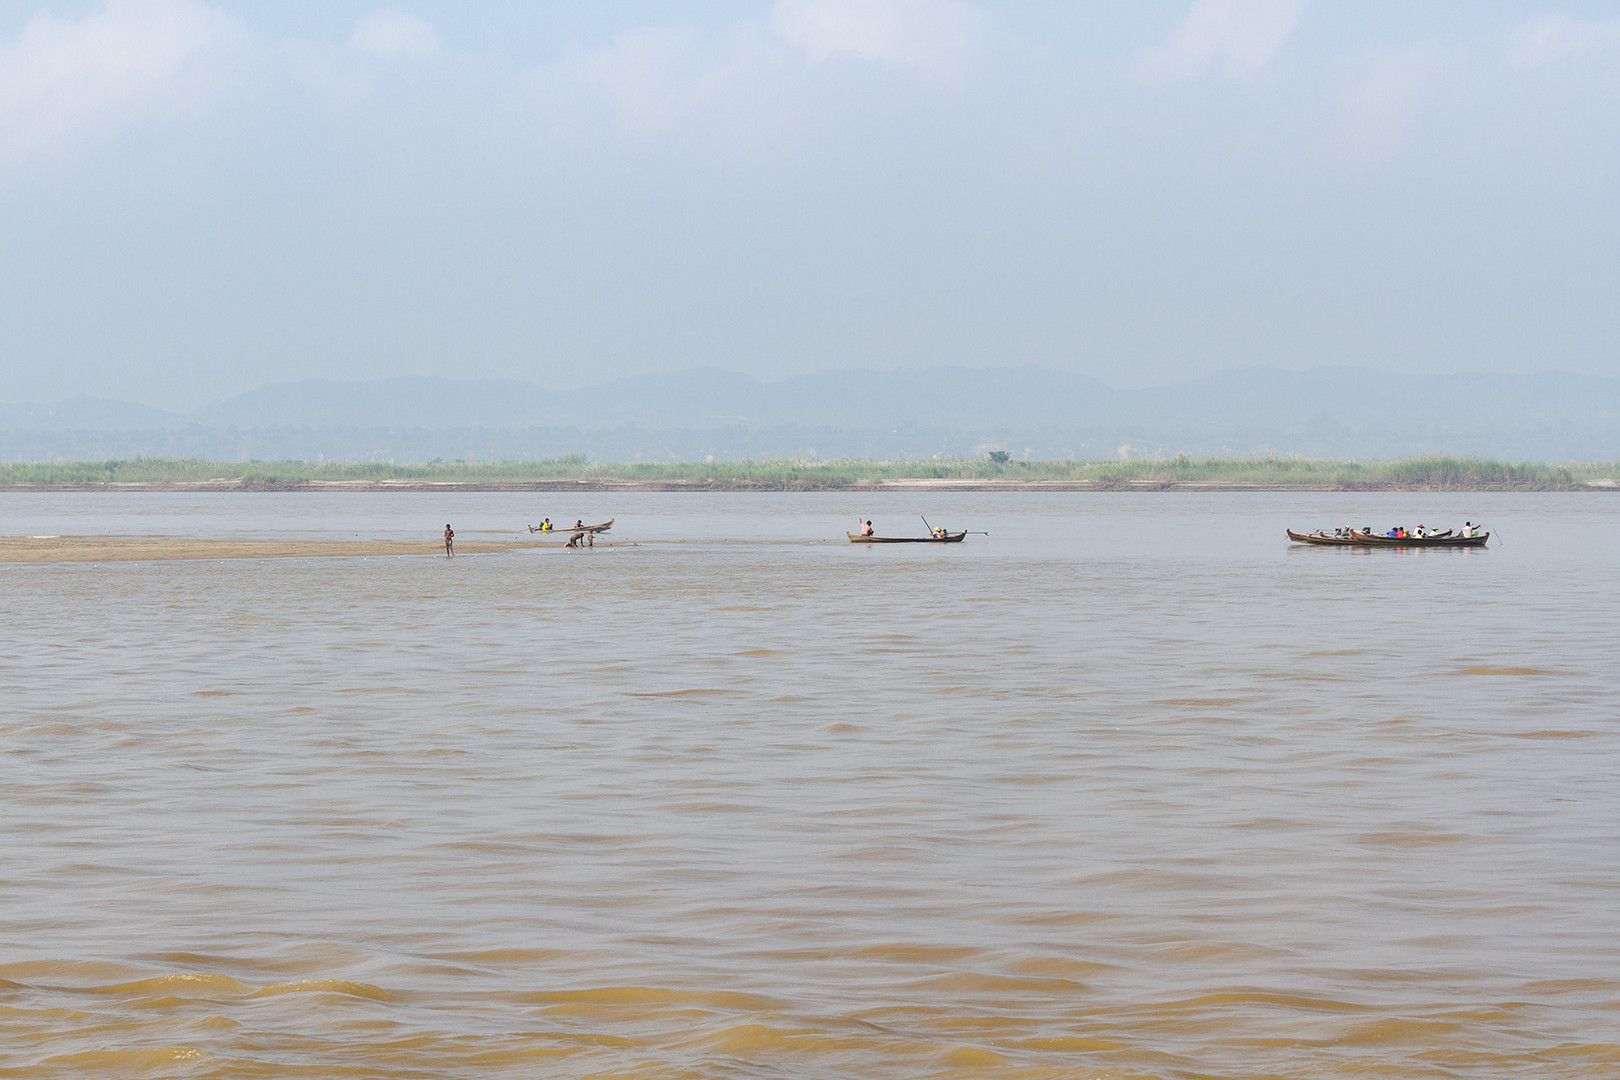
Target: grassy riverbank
(1411, 474)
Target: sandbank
(741, 485)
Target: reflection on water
(1128, 788)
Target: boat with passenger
(603, 526)
(1396, 537)
(1407, 539)
(940, 537)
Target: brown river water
(1129, 788)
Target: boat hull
(1323, 541)
(1370, 540)
(1361, 539)
(948, 538)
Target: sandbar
(55, 549)
(751, 485)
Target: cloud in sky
(1236, 37)
(62, 73)
(932, 38)
(644, 84)
(1384, 96)
(785, 189)
(393, 33)
(1551, 39)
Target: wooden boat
(1320, 537)
(1361, 539)
(948, 538)
(1374, 540)
(601, 527)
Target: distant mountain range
(689, 415)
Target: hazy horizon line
(1127, 385)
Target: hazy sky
(197, 198)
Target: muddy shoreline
(604, 484)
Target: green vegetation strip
(1416, 474)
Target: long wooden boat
(600, 527)
(1374, 540)
(1362, 539)
(1321, 538)
(948, 538)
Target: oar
(927, 526)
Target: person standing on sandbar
(449, 539)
